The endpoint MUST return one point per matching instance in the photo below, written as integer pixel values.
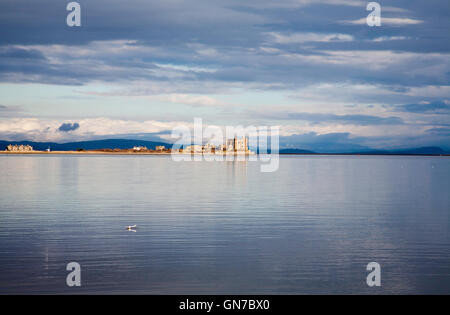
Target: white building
(209, 148)
(237, 145)
(193, 149)
(231, 146)
(220, 148)
(19, 148)
(139, 148)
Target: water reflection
(224, 227)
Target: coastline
(82, 153)
(93, 152)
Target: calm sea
(224, 227)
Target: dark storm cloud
(439, 131)
(20, 53)
(66, 127)
(236, 31)
(436, 107)
(44, 21)
(317, 118)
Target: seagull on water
(131, 227)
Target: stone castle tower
(237, 145)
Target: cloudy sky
(139, 68)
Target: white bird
(131, 227)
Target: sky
(139, 68)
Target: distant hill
(422, 150)
(411, 151)
(295, 151)
(87, 145)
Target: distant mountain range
(296, 151)
(412, 151)
(128, 143)
(422, 150)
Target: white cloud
(194, 100)
(389, 38)
(385, 20)
(304, 3)
(47, 129)
(363, 131)
(430, 91)
(186, 68)
(375, 59)
(35, 129)
(308, 37)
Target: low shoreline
(93, 152)
(83, 153)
